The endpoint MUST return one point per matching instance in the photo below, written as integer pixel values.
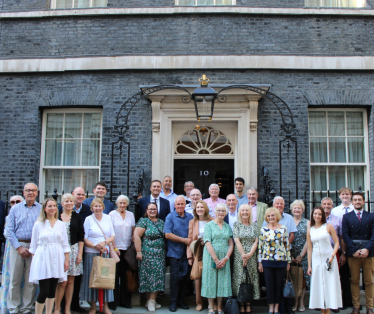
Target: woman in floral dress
(246, 240)
(150, 252)
(75, 231)
(299, 248)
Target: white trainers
(84, 304)
(151, 305)
(157, 306)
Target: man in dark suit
(163, 205)
(84, 211)
(100, 192)
(358, 235)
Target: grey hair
(189, 182)
(221, 206)
(298, 202)
(252, 188)
(24, 188)
(214, 184)
(167, 177)
(67, 196)
(327, 199)
(229, 195)
(17, 196)
(279, 198)
(182, 196)
(123, 196)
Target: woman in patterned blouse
(274, 257)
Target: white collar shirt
(340, 210)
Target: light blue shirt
(77, 210)
(171, 197)
(287, 221)
(242, 200)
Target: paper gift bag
(297, 276)
(103, 273)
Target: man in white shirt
(345, 195)
(232, 216)
(188, 187)
(195, 196)
(167, 193)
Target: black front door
(204, 172)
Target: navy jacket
(355, 230)
(163, 212)
(3, 214)
(109, 206)
(84, 213)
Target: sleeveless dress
(325, 290)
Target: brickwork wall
(181, 35)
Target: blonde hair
(276, 211)
(42, 215)
(298, 202)
(66, 196)
(241, 207)
(206, 211)
(99, 201)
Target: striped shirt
(336, 222)
(20, 221)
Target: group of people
(232, 239)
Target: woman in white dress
(50, 249)
(325, 290)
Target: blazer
(84, 213)
(3, 214)
(109, 206)
(354, 230)
(261, 209)
(226, 219)
(76, 228)
(164, 207)
(193, 233)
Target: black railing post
(336, 198)
(55, 195)
(369, 207)
(46, 194)
(314, 200)
(87, 194)
(289, 201)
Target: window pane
(337, 149)
(72, 179)
(223, 2)
(54, 125)
(53, 152)
(186, 2)
(318, 178)
(355, 124)
(92, 125)
(336, 178)
(356, 149)
(336, 123)
(356, 177)
(99, 3)
(72, 152)
(53, 180)
(90, 177)
(205, 2)
(317, 123)
(91, 151)
(73, 125)
(318, 149)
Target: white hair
(214, 184)
(189, 182)
(298, 202)
(123, 197)
(24, 188)
(279, 198)
(19, 196)
(221, 206)
(182, 196)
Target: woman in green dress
(216, 279)
(246, 240)
(150, 252)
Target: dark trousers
(121, 296)
(77, 288)
(177, 286)
(345, 280)
(274, 282)
(47, 289)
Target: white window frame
(233, 2)
(42, 155)
(54, 4)
(338, 4)
(366, 164)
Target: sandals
(209, 310)
(199, 307)
(301, 309)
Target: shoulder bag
(232, 306)
(197, 267)
(113, 254)
(288, 289)
(245, 294)
(166, 243)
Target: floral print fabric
(247, 236)
(274, 245)
(122, 228)
(74, 269)
(152, 266)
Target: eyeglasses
(31, 191)
(15, 202)
(221, 211)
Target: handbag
(167, 262)
(132, 280)
(288, 289)
(103, 273)
(112, 253)
(360, 244)
(232, 306)
(245, 294)
(130, 257)
(197, 267)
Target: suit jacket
(109, 206)
(84, 213)
(355, 230)
(261, 209)
(226, 219)
(3, 214)
(163, 211)
(193, 233)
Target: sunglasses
(15, 202)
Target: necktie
(346, 209)
(359, 216)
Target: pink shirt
(254, 212)
(212, 205)
(122, 228)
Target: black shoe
(360, 307)
(128, 306)
(183, 305)
(78, 309)
(112, 307)
(173, 307)
(336, 311)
